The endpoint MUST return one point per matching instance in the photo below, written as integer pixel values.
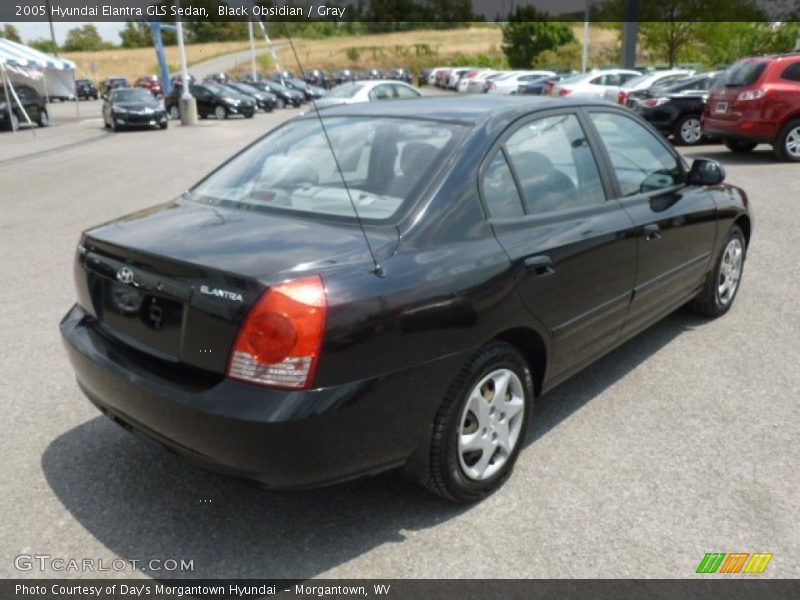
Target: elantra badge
(204, 289)
(125, 275)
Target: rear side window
(792, 72)
(744, 73)
(641, 162)
(554, 165)
(500, 193)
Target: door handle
(540, 264)
(652, 232)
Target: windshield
(744, 73)
(348, 90)
(384, 161)
(131, 96)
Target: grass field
(410, 49)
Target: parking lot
(686, 440)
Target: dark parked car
(311, 92)
(677, 108)
(536, 87)
(112, 83)
(133, 107)
(400, 75)
(85, 88)
(33, 103)
(286, 96)
(177, 79)
(212, 100)
(758, 103)
(319, 78)
(266, 101)
(343, 76)
(216, 78)
(511, 242)
(280, 75)
(372, 74)
(151, 83)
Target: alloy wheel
(490, 424)
(174, 113)
(792, 143)
(691, 131)
(730, 271)
(220, 112)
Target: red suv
(152, 83)
(758, 101)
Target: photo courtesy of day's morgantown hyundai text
(394, 291)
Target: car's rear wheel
(740, 146)
(787, 146)
(481, 425)
(722, 284)
(220, 113)
(688, 131)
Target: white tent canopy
(50, 76)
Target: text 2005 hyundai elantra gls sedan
(300, 319)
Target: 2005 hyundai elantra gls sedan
(396, 289)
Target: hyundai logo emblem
(125, 275)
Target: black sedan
(11, 115)
(286, 96)
(302, 320)
(213, 100)
(675, 110)
(133, 107)
(266, 101)
(85, 88)
(311, 92)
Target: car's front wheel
(722, 284)
(13, 121)
(689, 131)
(481, 425)
(44, 119)
(220, 113)
(787, 146)
(174, 112)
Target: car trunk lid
(176, 282)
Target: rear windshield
(385, 162)
(744, 73)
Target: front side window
(383, 161)
(640, 160)
(554, 165)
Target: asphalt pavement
(686, 440)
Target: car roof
(473, 109)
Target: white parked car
(508, 85)
(619, 94)
(455, 75)
(479, 83)
(593, 85)
(432, 75)
(354, 92)
(464, 82)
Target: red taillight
(653, 102)
(280, 342)
(622, 97)
(748, 95)
(564, 92)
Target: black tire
(780, 147)
(114, 126)
(174, 112)
(164, 125)
(13, 121)
(44, 119)
(708, 302)
(217, 112)
(249, 115)
(447, 477)
(740, 146)
(690, 137)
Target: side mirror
(705, 171)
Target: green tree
(667, 40)
(10, 33)
(564, 58)
(528, 34)
(84, 38)
(43, 45)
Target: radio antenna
(378, 269)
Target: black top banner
(409, 11)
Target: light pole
(585, 53)
(188, 105)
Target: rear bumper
(283, 439)
(747, 128)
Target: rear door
(676, 223)
(549, 206)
